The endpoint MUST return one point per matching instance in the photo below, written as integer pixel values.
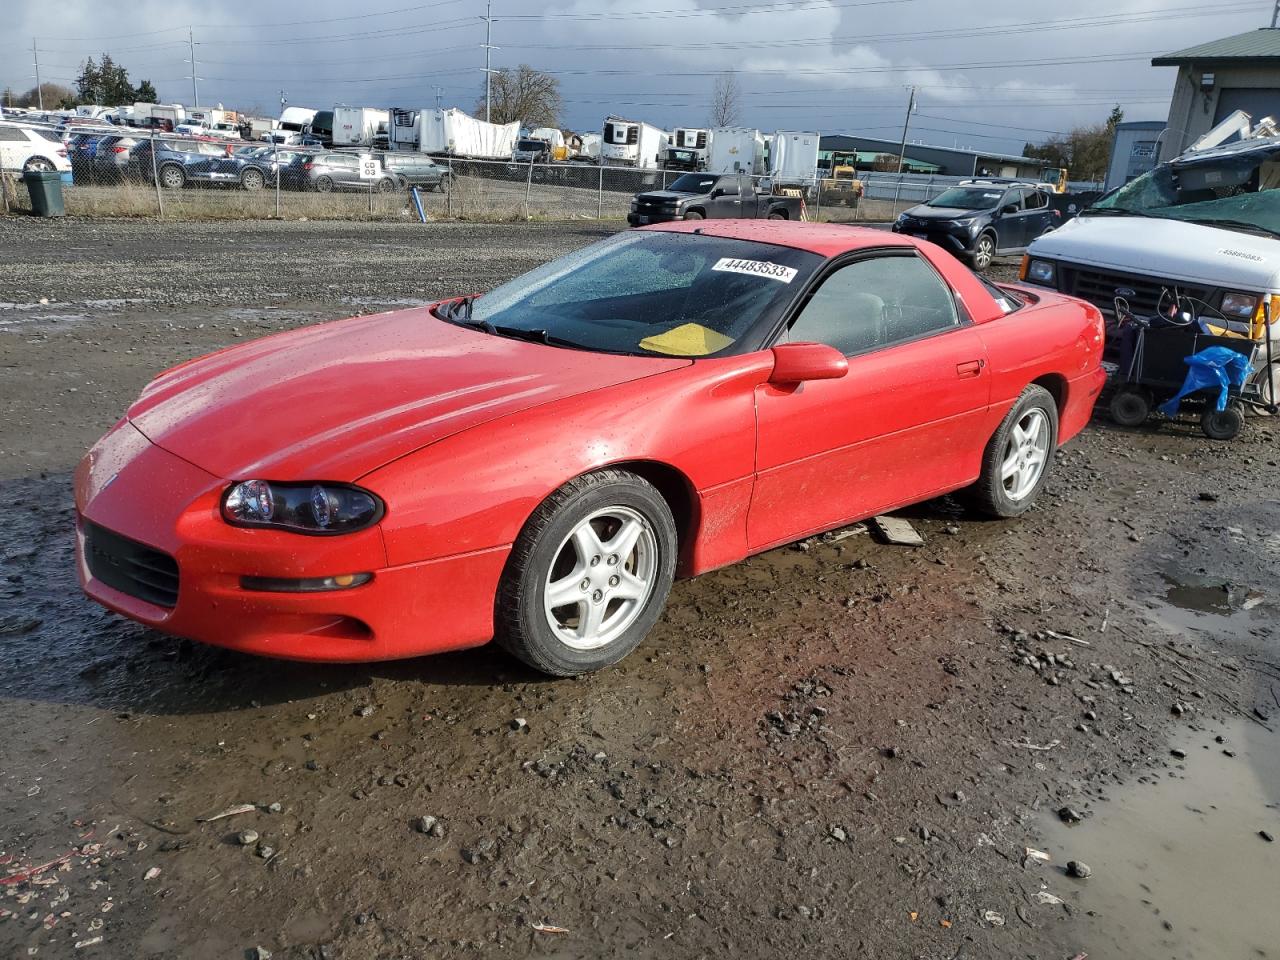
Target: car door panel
(904, 423)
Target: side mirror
(1008, 209)
(800, 362)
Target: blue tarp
(1214, 368)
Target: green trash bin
(45, 187)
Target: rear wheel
(1016, 463)
(38, 165)
(984, 251)
(589, 574)
(252, 179)
(1130, 405)
(323, 185)
(777, 215)
(1221, 424)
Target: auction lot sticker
(756, 268)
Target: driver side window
(874, 303)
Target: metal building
(1133, 151)
(948, 161)
(1218, 77)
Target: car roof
(824, 239)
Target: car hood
(338, 400)
(665, 195)
(1168, 249)
(925, 212)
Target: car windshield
(531, 146)
(648, 293)
(693, 183)
(968, 198)
(1233, 190)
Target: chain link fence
(131, 172)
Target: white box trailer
(736, 150)
(358, 126)
(454, 133)
(404, 129)
(633, 143)
(793, 157)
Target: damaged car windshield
(1234, 189)
(647, 293)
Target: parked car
(417, 170)
(980, 219)
(180, 161)
(327, 172)
(254, 168)
(537, 463)
(31, 148)
(711, 196)
(111, 158)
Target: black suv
(979, 219)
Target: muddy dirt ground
(835, 749)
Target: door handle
(970, 368)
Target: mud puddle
(1211, 605)
(1180, 869)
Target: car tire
(1130, 405)
(253, 179)
(565, 544)
(386, 185)
(1221, 424)
(172, 177)
(323, 185)
(1011, 478)
(778, 215)
(41, 164)
(984, 251)
(694, 215)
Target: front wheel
(386, 185)
(1016, 463)
(1130, 405)
(172, 177)
(589, 574)
(253, 179)
(694, 215)
(1221, 424)
(984, 251)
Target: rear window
(50, 135)
(1006, 301)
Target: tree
(726, 100)
(54, 96)
(107, 83)
(523, 95)
(1085, 150)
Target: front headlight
(902, 218)
(635, 204)
(964, 224)
(1041, 271)
(1240, 306)
(323, 508)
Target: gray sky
(835, 66)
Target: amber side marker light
(1022, 269)
(343, 581)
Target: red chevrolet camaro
(536, 465)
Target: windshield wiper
(1236, 225)
(1117, 212)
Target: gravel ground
(833, 749)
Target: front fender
(476, 489)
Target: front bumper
(134, 489)
(642, 218)
(954, 240)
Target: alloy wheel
(601, 578)
(1025, 455)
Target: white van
(1204, 226)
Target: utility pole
(439, 97)
(906, 125)
(195, 89)
(488, 50)
(1275, 15)
(283, 100)
(35, 58)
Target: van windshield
(1232, 189)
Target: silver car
(327, 172)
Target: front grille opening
(131, 567)
(1100, 288)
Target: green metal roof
(1261, 44)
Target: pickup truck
(711, 196)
